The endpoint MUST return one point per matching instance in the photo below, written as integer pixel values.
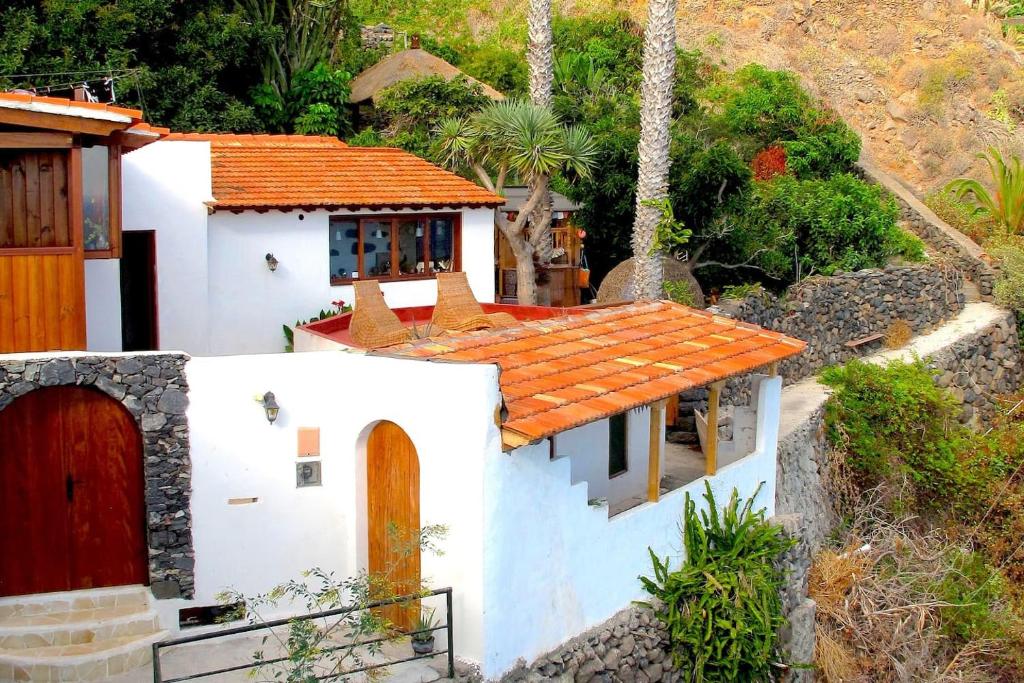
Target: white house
(540, 447)
(229, 237)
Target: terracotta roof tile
(561, 373)
(294, 171)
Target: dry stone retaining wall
(154, 390)
(940, 236)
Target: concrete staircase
(87, 635)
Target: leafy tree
(1006, 206)
(520, 139)
(501, 68)
(407, 113)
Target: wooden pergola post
(773, 369)
(711, 447)
(654, 454)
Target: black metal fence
(449, 651)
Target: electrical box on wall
(309, 441)
(307, 474)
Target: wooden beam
(711, 447)
(654, 454)
(672, 410)
(74, 124)
(35, 140)
(773, 369)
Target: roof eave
(237, 207)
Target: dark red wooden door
(71, 493)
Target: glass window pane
(410, 246)
(344, 243)
(96, 197)
(442, 244)
(377, 249)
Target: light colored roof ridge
(66, 107)
(259, 139)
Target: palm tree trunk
(540, 57)
(655, 140)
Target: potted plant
(423, 635)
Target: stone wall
(980, 367)
(154, 390)
(797, 635)
(940, 236)
(799, 476)
(631, 647)
(828, 312)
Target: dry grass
(878, 617)
(898, 334)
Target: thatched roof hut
(402, 66)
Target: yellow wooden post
(711, 447)
(773, 369)
(654, 454)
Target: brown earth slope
(928, 84)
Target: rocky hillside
(928, 83)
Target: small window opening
(617, 458)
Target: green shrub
(894, 422)
(822, 148)
(960, 214)
(977, 598)
(681, 292)
(829, 225)
(722, 607)
(1009, 288)
(763, 104)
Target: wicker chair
(457, 308)
(373, 324)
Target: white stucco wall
(103, 305)
(216, 294)
(165, 186)
(570, 567)
(237, 454)
(241, 283)
(587, 449)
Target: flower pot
(422, 647)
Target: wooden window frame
(114, 206)
(423, 218)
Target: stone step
(95, 661)
(69, 601)
(76, 627)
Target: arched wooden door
(393, 515)
(71, 493)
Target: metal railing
(263, 626)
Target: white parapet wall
(570, 567)
(238, 456)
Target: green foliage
(315, 104)
(742, 291)
(1004, 207)
(894, 422)
(722, 607)
(680, 291)
(503, 69)
(762, 104)
(670, 235)
(824, 226)
(328, 647)
(959, 213)
(823, 148)
(977, 598)
(407, 113)
(612, 42)
(1009, 288)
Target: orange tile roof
(294, 171)
(563, 373)
(73, 107)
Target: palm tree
(1006, 207)
(540, 58)
(655, 119)
(525, 141)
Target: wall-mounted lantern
(270, 406)
(272, 262)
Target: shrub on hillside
(960, 214)
(823, 147)
(826, 226)
(1009, 288)
(769, 162)
(722, 607)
